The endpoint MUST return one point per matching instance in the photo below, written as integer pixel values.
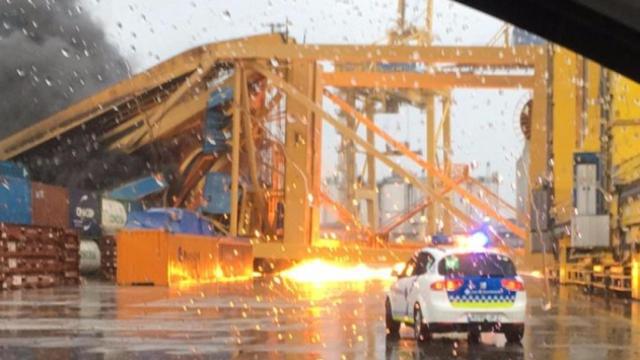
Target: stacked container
(114, 218)
(107, 245)
(37, 256)
(15, 200)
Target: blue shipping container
(15, 200)
(215, 140)
(138, 189)
(217, 194)
(173, 220)
(8, 168)
(85, 209)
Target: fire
(536, 274)
(317, 270)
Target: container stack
(37, 257)
(70, 256)
(108, 250)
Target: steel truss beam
(409, 80)
(350, 134)
(430, 168)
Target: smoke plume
(51, 55)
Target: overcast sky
(484, 123)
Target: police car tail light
(448, 285)
(512, 285)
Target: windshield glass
(256, 179)
(477, 264)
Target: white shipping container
(586, 188)
(114, 216)
(588, 231)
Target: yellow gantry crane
(279, 84)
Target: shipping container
(217, 194)
(139, 189)
(50, 205)
(170, 219)
(37, 256)
(114, 216)
(8, 168)
(85, 209)
(15, 200)
(156, 257)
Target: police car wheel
(420, 330)
(513, 333)
(392, 326)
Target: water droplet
(226, 15)
(64, 52)
(20, 72)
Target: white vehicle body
(459, 302)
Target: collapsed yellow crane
(268, 72)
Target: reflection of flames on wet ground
(185, 277)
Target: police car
(457, 289)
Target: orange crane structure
(277, 115)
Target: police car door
(424, 261)
(400, 288)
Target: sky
(484, 122)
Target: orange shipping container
(50, 205)
(155, 257)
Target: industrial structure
(233, 131)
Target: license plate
(481, 317)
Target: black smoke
(52, 53)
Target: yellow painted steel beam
(431, 170)
(540, 126)
(138, 119)
(348, 149)
(409, 80)
(344, 130)
(372, 201)
(430, 153)
(98, 104)
(625, 122)
(463, 55)
(144, 134)
(192, 81)
(300, 150)
(446, 153)
(174, 118)
(238, 88)
(315, 168)
(565, 124)
(255, 47)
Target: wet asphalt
(270, 318)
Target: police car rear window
(477, 264)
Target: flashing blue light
(478, 239)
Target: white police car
(457, 290)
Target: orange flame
(317, 270)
